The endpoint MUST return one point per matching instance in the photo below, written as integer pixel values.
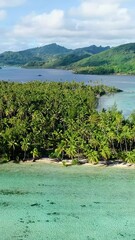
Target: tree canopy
(59, 119)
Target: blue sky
(31, 23)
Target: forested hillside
(87, 60)
(120, 60)
(34, 54)
(48, 56)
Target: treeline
(62, 61)
(98, 70)
(60, 120)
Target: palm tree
(105, 151)
(130, 156)
(60, 150)
(12, 145)
(126, 135)
(93, 156)
(25, 146)
(35, 154)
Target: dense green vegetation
(101, 70)
(87, 60)
(60, 120)
(119, 60)
(35, 54)
(57, 61)
(48, 56)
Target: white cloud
(10, 3)
(3, 14)
(105, 22)
(42, 24)
(100, 9)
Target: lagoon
(48, 201)
(125, 101)
(24, 75)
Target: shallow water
(41, 201)
(124, 102)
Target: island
(60, 120)
(86, 60)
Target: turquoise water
(124, 101)
(41, 201)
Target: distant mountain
(93, 49)
(89, 60)
(120, 60)
(51, 49)
(67, 59)
(34, 54)
(48, 56)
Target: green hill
(49, 56)
(119, 60)
(59, 61)
(89, 60)
(93, 49)
(66, 60)
(34, 54)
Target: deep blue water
(125, 101)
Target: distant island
(87, 60)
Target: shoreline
(117, 164)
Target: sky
(71, 23)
